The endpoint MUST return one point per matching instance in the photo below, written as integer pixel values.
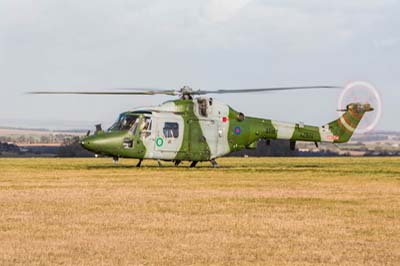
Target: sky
(206, 44)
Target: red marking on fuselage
(333, 137)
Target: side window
(202, 107)
(171, 130)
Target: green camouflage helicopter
(197, 128)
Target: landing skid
(139, 163)
(193, 164)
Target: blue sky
(208, 44)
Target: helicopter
(199, 128)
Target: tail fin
(341, 130)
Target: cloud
(387, 43)
(218, 11)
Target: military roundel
(237, 130)
(159, 142)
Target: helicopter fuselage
(203, 129)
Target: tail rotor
(365, 93)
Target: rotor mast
(186, 93)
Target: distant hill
(17, 130)
(34, 136)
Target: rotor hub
(186, 92)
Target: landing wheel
(214, 163)
(193, 164)
(139, 163)
(115, 159)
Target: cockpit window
(134, 127)
(124, 122)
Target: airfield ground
(271, 211)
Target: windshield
(124, 122)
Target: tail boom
(338, 131)
(245, 134)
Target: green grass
(269, 211)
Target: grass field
(271, 211)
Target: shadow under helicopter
(164, 166)
(276, 168)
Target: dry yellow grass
(251, 211)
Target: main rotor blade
(149, 92)
(200, 92)
(184, 91)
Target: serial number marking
(307, 135)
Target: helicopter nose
(89, 144)
(100, 144)
(84, 143)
